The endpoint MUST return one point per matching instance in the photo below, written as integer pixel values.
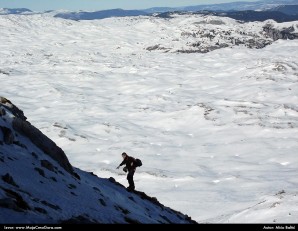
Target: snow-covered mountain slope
(217, 131)
(36, 187)
(278, 208)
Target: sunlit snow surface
(217, 132)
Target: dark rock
(91, 173)
(76, 175)
(18, 200)
(53, 178)
(81, 219)
(281, 192)
(40, 210)
(55, 207)
(9, 180)
(71, 186)
(4, 72)
(111, 179)
(42, 142)
(34, 155)
(47, 164)
(9, 203)
(2, 112)
(8, 136)
(131, 221)
(72, 193)
(119, 208)
(166, 219)
(102, 202)
(96, 189)
(40, 171)
(12, 108)
(144, 196)
(20, 144)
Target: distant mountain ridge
(278, 10)
(83, 15)
(14, 11)
(286, 9)
(253, 11)
(250, 16)
(245, 16)
(231, 6)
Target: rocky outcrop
(285, 33)
(12, 108)
(22, 126)
(8, 137)
(204, 33)
(43, 142)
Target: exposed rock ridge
(22, 126)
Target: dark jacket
(130, 163)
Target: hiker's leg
(130, 179)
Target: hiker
(130, 167)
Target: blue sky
(40, 5)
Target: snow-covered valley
(216, 131)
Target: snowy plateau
(208, 103)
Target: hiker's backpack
(138, 163)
